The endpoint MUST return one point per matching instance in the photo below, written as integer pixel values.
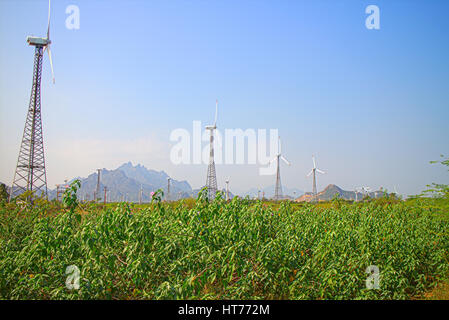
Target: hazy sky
(373, 105)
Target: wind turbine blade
(216, 112)
(48, 29)
(51, 63)
(311, 171)
(318, 170)
(314, 164)
(272, 160)
(285, 160)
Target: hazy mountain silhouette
(331, 191)
(124, 183)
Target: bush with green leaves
(239, 249)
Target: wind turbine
(366, 191)
(227, 189)
(314, 171)
(30, 174)
(358, 190)
(211, 180)
(279, 156)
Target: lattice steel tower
(278, 190)
(211, 180)
(30, 174)
(313, 172)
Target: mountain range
(331, 191)
(125, 183)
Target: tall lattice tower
(278, 189)
(211, 180)
(314, 171)
(30, 174)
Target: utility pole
(61, 189)
(227, 189)
(57, 192)
(167, 198)
(258, 195)
(140, 195)
(97, 192)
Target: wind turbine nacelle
(211, 127)
(40, 42)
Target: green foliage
(157, 196)
(69, 199)
(241, 249)
(444, 162)
(4, 195)
(439, 190)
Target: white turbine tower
(366, 191)
(358, 190)
(314, 171)
(211, 180)
(396, 192)
(279, 156)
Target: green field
(241, 249)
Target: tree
(439, 190)
(4, 195)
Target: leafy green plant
(4, 195)
(435, 189)
(69, 198)
(242, 249)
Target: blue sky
(372, 105)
